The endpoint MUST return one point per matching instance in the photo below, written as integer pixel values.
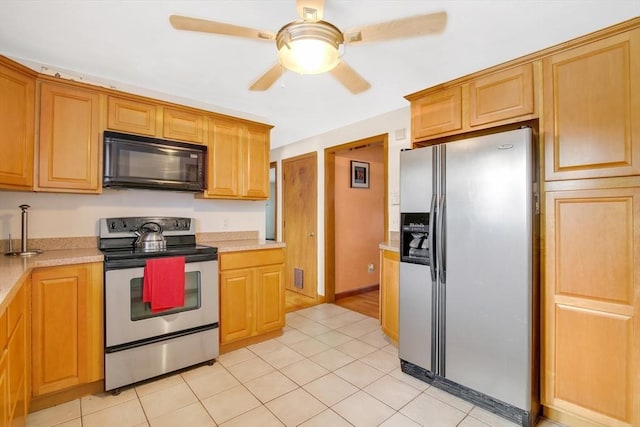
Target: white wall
(394, 123)
(73, 215)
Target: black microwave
(132, 161)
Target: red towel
(163, 283)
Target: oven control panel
(109, 226)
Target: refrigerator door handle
(441, 241)
(432, 227)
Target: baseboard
(67, 395)
(357, 291)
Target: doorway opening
(271, 214)
(356, 218)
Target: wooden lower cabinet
(389, 292)
(591, 323)
(251, 294)
(67, 327)
(14, 356)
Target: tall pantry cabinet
(591, 302)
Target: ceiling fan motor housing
(309, 47)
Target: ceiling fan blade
(266, 80)
(310, 10)
(350, 78)
(202, 25)
(412, 26)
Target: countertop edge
(15, 269)
(390, 245)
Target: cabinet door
(591, 325)
(255, 165)
(224, 158)
(502, 95)
(69, 139)
(269, 297)
(592, 109)
(127, 115)
(236, 305)
(436, 113)
(389, 293)
(4, 372)
(67, 337)
(183, 125)
(17, 115)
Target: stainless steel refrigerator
(468, 270)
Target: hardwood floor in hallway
(367, 303)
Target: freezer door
(414, 337)
(416, 177)
(488, 228)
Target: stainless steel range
(141, 342)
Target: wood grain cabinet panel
(183, 125)
(389, 293)
(17, 119)
(69, 139)
(269, 298)
(437, 113)
(592, 295)
(251, 294)
(67, 331)
(501, 95)
(15, 357)
(238, 160)
(223, 150)
(592, 109)
(131, 116)
(255, 162)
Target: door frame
(329, 204)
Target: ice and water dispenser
(414, 238)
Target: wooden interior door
(300, 218)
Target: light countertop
(13, 269)
(391, 245)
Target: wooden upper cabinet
(223, 149)
(437, 113)
(238, 166)
(255, 168)
(69, 158)
(501, 95)
(183, 125)
(131, 116)
(17, 123)
(592, 294)
(592, 109)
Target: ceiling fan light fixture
(309, 47)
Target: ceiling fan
(311, 45)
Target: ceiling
(131, 45)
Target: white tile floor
(331, 367)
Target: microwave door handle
(432, 226)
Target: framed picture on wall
(359, 174)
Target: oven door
(128, 319)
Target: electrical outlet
(371, 268)
(225, 223)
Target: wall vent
(298, 278)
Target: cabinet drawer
(247, 259)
